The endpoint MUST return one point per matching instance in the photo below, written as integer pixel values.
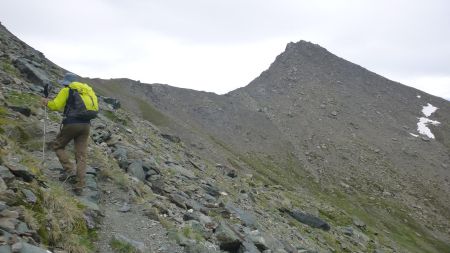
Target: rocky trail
(128, 222)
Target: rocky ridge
(150, 192)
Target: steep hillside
(315, 155)
(318, 123)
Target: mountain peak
(305, 48)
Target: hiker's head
(68, 78)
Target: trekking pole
(45, 123)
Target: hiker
(79, 105)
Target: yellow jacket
(86, 92)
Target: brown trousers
(79, 132)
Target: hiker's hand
(44, 101)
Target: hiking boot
(78, 191)
(67, 177)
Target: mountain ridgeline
(316, 122)
(317, 154)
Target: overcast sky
(224, 44)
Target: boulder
(228, 240)
(6, 174)
(114, 102)
(101, 135)
(150, 166)
(29, 196)
(172, 138)
(211, 189)
(249, 247)
(308, 219)
(135, 169)
(257, 239)
(178, 200)
(182, 171)
(21, 171)
(247, 219)
(33, 73)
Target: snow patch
(422, 126)
(428, 110)
(415, 135)
(418, 96)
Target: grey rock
(5, 249)
(232, 173)
(33, 74)
(199, 229)
(359, 224)
(101, 135)
(151, 164)
(21, 109)
(114, 102)
(172, 138)
(28, 248)
(8, 224)
(91, 195)
(29, 196)
(91, 170)
(178, 200)
(211, 189)
(257, 239)
(21, 171)
(91, 182)
(246, 218)
(227, 238)
(182, 171)
(152, 213)
(139, 246)
(3, 186)
(158, 187)
(125, 208)
(120, 153)
(6, 174)
(347, 231)
(249, 247)
(135, 169)
(308, 219)
(22, 228)
(203, 247)
(3, 206)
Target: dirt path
(131, 224)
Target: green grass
(9, 68)
(114, 117)
(383, 215)
(22, 99)
(122, 247)
(152, 114)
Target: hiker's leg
(58, 145)
(81, 144)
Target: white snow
(418, 96)
(422, 126)
(428, 110)
(415, 135)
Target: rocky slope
(282, 165)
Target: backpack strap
(69, 102)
